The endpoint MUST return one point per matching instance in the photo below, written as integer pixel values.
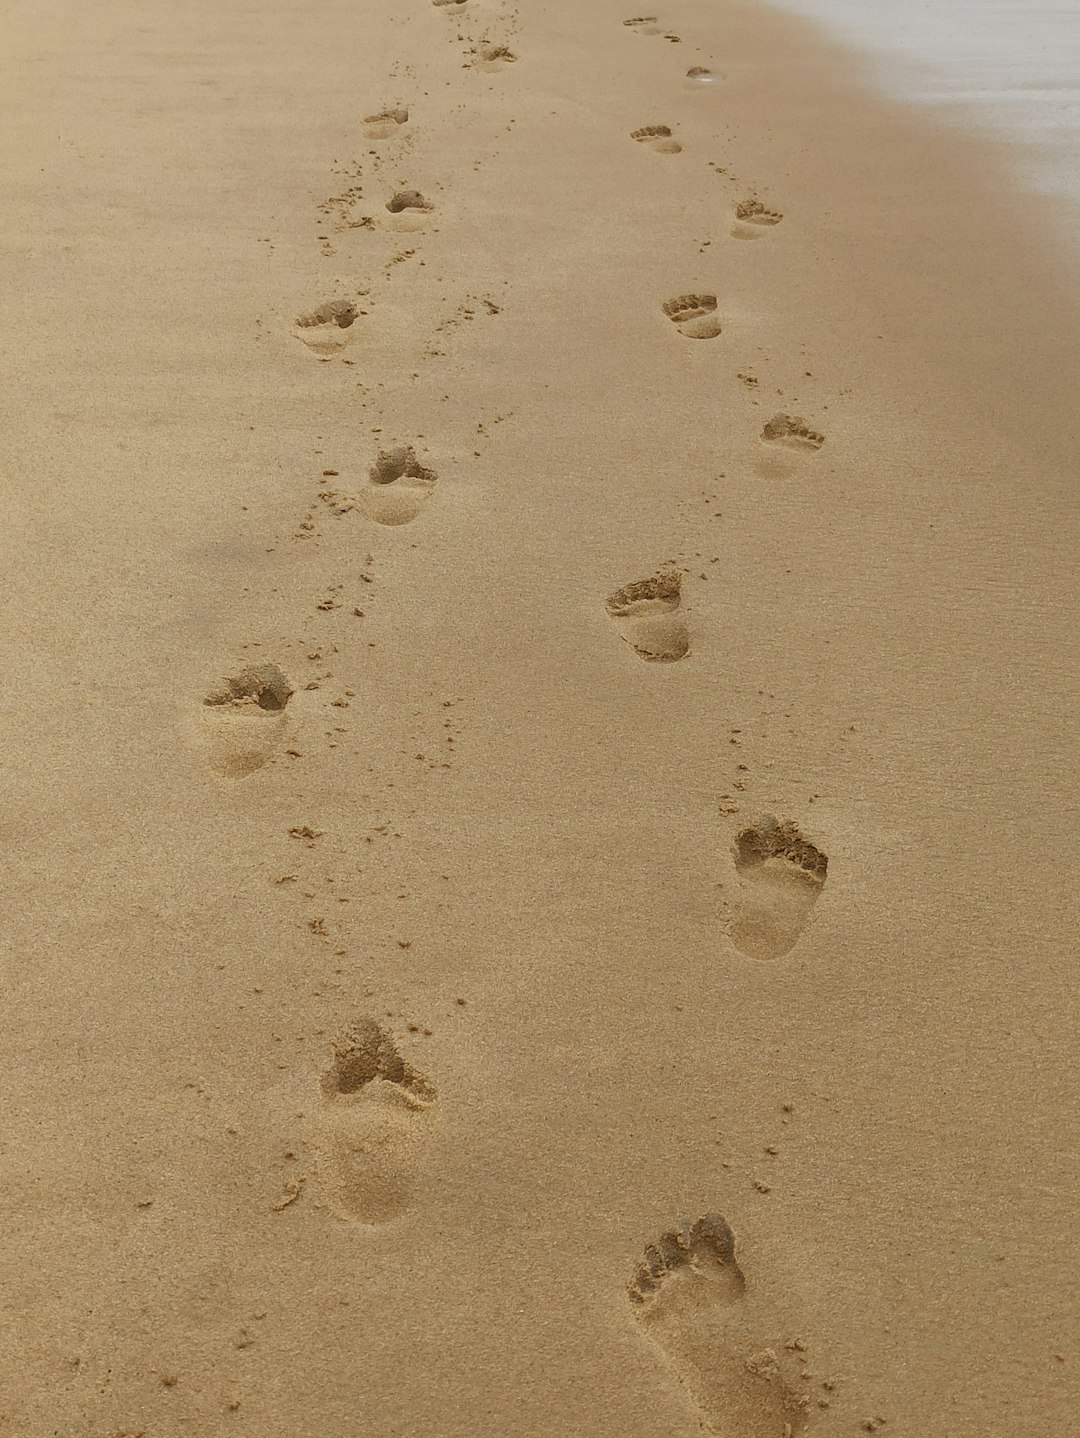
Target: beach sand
(540, 745)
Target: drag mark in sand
(374, 1115)
(657, 138)
(690, 1297)
(694, 316)
(781, 875)
(399, 486)
(244, 720)
(647, 614)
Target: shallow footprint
(386, 123)
(244, 720)
(690, 1296)
(326, 329)
(792, 431)
(753, 219)
(658, 138)
(374, 1118)
(493, 57)
(694, 316)
(649, 621)
(399, 486)
(650, 25)
(781, 875)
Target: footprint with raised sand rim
(399, 486)
(407, 210)
(244, 720)
(694, 316)
(328, 328)
(373, 1124)
(647, 613)
(386, 123)
(753, 219)
(780, 874)
(691, 1298)
(658, 138)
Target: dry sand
(602, 961)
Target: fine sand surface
(539, 710)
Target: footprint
(649, 25)
(244, 720)
(373, 1120)
(752, 219)
(691, 1298)
(447, 4)
(652, 627)
(399, 486)
(385, 123)
(325, 330)
(493, 57)
(407, 210)
(658, 138)
(702, 75)
(791, 430)
(781, 875)
(694, 316)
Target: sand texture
(540, 753)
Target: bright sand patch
(562, 891)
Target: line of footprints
(375, 1111)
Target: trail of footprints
(375, 1111)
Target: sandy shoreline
(230, 1210)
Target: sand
(540, 749)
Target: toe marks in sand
(328, 328)
(781, 875)
(373, 1121)
(694, 316)
(753, 219)
(399, 486)
(650, 25)
(792, 431)
(386, 123)
(657, 138)
(244, 719)
(690, 1296)
(647, 614)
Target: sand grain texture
(392, 958)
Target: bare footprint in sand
(793, 432)
(753, 219)
(329, 328)
(386, 123)
(399, 486)
(493, 57)
(407, 211)
(648, 617)
(691, 1298)
(244, 720)
(658, 138)
(373, 1123)
(781, 875)
(694, 316)
(650, 25)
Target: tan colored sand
(356, 1046)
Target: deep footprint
(791, 431)
(694, 316)
(244, 720)
(753, 219)
(781, 874)
(326, 330)
(408, 210)
(647, 614)
(386, 123)
(399, 486)
(374, 1117)
(658, 138)
(690, 1296)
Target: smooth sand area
(539, 711)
